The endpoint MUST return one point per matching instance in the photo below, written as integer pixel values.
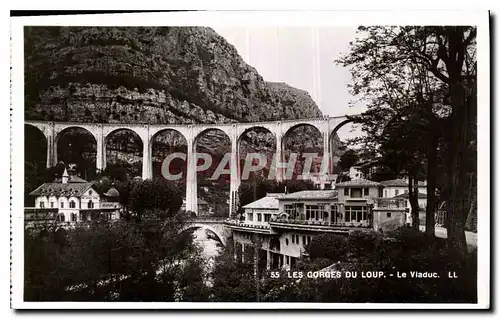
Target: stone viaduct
(327, 126)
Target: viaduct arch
(327, 126)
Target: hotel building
(281, 225)
(72, 199)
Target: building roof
(406, 195)
(60, 189)
(311, 194)
(112, 192)
(268, 202)
(394, 182)
(400, 182)
(201, 201)
(358, 182)
(71, 179)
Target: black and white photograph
(251, 160)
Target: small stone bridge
(214, 224)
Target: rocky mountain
(154, 75)
(149, 75)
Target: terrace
(318, 225)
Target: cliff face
(149, 75)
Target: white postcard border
(250, 19)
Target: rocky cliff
(149, 75)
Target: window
(60, 217)
(380, 192)
(290, 210)
(356, 192)
(388, 215)
(308, 240)
(62, 204)
(259, 217)
(355, 213)
(73, 217)
(90, 192)
(335, 213)
(267, 217)
(346, 191)
(250, 217)
(366, 191)
(286, 241)
(297, 239)
(72, 204)
(303, 240)
(90, 204)
(42, 204)
(293, 239)
(385, 193)
(51, 204)
(315, 212)
(396, 192)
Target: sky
(302, 57)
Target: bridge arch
(40, 128)
(340, 125)
(115, 130)
(174, 141)
(253, 128)
(77, 144)
(35, 145)
(121, 141)
(61, 129)
(313, 143)
(336, 139)
(259, 143)
(166, 129)
(217, 233)
(289, 127)
(199, 135)
(209, 181)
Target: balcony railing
(389, 203)
(319, 223)
(239, 223)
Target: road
(470, 237)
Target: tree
(433, 68)
(157, 198)
(233, 280)
(124, 261)
(348, 159)
(121, 170)
(401, 150)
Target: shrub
(331, 246)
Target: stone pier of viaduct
(327, 126)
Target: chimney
(65, 176)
